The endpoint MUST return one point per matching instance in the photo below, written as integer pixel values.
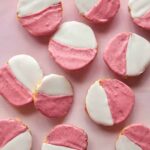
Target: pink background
(15, 40)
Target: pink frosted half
(104, 11)
(115, 53)
(53, 106)
(139, 134)
(68, 136)
(12, 90)
(9, 129)
(71, 58)
(120, 99)
(44, 22)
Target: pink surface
(15, 40)
(71, 58)
(68, 136)
(12, 89)
(115, 53)
(9, 129)
(44, 22)
(104, 11)
(53, 106)
(144, 21)
(139, 134)
(120, 98)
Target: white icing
(123, 143)
(54, 147)
(85, 5)
(26, 70)
(55, 85)
(138, 55)
(23, 142)
(30, 7)
(97, 105)
(76, 34)
(139, 8)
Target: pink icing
(12, 89)
(44, 22)
(103, 11)
(139, 134)
(120, 99)
(53, 106)
(71, 58)
(9, 129)
(144, 21)
(69, 136)
(115, 53)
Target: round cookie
(98, 11)
(127, 54)
(73, 46)
(54, 96)
(66, 137)
(40, 18)
(140, 12)
(134, 137)
(14, 134)
(19, 78)
(109, 102)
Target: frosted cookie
(19, 78)
(13, 135)
(109, 102)
(98, 11)
(38, 17)
(128, 54)
(134, 137)
(54, 96)
(66, 137)
(73, 46)
(140, 12)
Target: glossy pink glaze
(120, 99)
(53, 106)
(115, 53)
(12, 89)
(9, 129)
(71, 58)
(44, 22)
(69, 136)
(103, 11)
(139, 134)
(143, 21)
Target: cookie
(140, 12)
(109, 102)
(66, 137)
(98, 11)
(73, 46)
(54, 96)
(134, 137)
(127, 54)
(19, 79)
(40, 18)
(14, 134)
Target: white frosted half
(123, 143)
(138, 55)
(85, 5)
(54, 147)
(76, 35)
(26, 70)
(23, 142)
(30, 7)
(139, 8)
(55, 85)
(97, 105)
